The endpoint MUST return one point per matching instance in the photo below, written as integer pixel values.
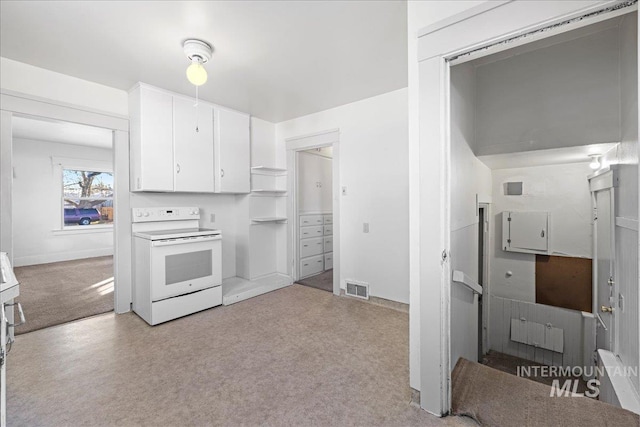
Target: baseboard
(415, 397)
(395, 305)
(60, 256)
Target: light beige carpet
(295, 357)
(60, 292)
(495, 398)
(322, 281)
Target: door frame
(15, 103)
(482, 30)
(328, 138)
(486, 291)
(605, 179)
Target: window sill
(88, 230)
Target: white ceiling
(63, 132)
(555, 156)
(274, 59)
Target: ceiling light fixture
(199, 53)
(595, 161)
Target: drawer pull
(306, 265)
(319, 260)
(319, 243)
(306, 246)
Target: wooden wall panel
(564, 282)
(503, 310)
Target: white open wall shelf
(268, 181)
(261, 241)
(266, 170)
(278, 219)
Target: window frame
(86, 165)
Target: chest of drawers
(316, 244)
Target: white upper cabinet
(526, 232)
(232, 159)
(193, 146)
(151, 115)
(176, 146)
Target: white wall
(374, 169)
(30, 80)
(419, 15)
(37, 205)
(263, 140)
(314, 169)
(562, 95)
(470, 182)
(561, 190)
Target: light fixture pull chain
(196, 105)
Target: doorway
(63, 192)
(437, 96)
(604, 283)
(483, 275)
(15, 105)
(314, 212)
(63, 189)
(313, 162)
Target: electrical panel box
(526, 232)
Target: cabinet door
(233, 164)
(193, 146)
(151, 141)
(526, 231)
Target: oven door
(185, 265)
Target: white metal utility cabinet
(177, 264)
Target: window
(87, 198)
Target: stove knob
(138, 214)
(194, 212)
(146, 214)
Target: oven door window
(183, 267)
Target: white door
(605, 267)
(233, 161)
(193, 146)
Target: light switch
(365, 227)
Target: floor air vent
(357, 289)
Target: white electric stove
(177, 264)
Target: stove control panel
(164, 214)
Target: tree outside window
(87, 198)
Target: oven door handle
(185, 241)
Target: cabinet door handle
(222, 173)
(177, 167)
